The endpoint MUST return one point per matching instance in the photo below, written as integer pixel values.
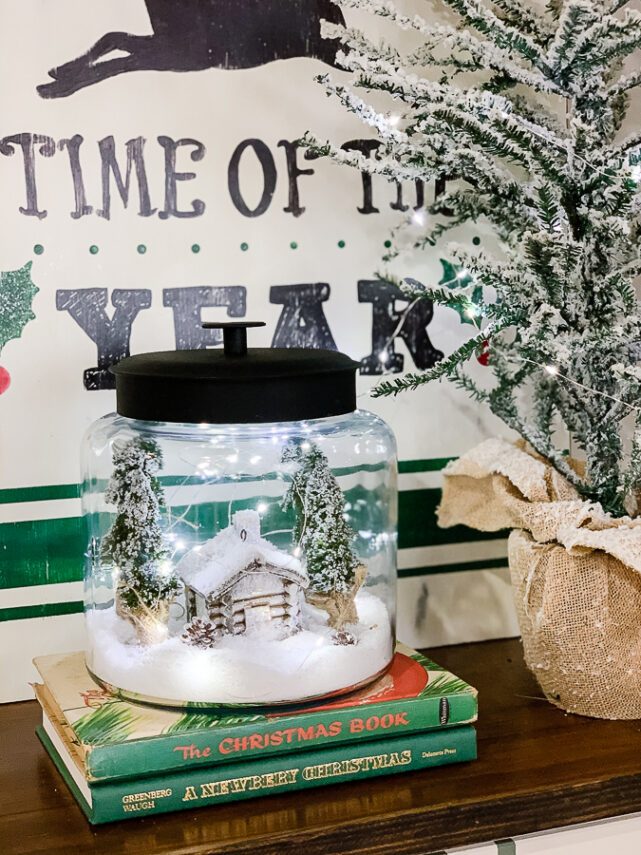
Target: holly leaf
(455, 276)
(16, 296)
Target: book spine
(320, 729)
(217, 784)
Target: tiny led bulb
(551, 369)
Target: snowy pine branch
(481, 18)
(625, 83)
(517, 15)
(412, 381)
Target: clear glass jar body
(239, 564)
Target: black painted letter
(387, 325)
(110, 335)
(293, 171)
(366, 147)
(73, 149)
(135, 158)
(187, 304)
(268, 166)
(27, 143)
(302, 322)
(172, 178)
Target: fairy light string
(554, 371)
(551, 370)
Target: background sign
(151, 180)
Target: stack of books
(125, 760)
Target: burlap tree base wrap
(150, 624)
(340, 607)
(576, 576)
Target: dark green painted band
(75, 607)
(41, 552)
(15, 495)
(433, 464)
(431, 570)
(46, 552)
(42, 611)
(417, 525)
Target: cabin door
(257, 617)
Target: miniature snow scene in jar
(241, 523)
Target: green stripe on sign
(489, 564)
(15, 495)
(417, 522)
(46, 610)
(50, 551)
(50, 493)
(435, 464)
(41, 552)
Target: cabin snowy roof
(213, 567)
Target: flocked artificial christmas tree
(134, 544)
(323, 535)
(521, 107)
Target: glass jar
(241, 518)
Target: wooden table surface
(537, 768)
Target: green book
(108, 801)
(117, 739)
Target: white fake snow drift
(243, 669)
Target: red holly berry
(5, 380)
(483, 355)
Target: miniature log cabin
(242, 583)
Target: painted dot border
(196, 248)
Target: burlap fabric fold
(576, 575)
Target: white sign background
(46, 409)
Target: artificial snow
(210, 568)
(243, 669)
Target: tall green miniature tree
(322, 534)
(522, 108)
(321, 531)
(134, 543)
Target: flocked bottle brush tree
(525, 108)
(146, 582)
(323, 536)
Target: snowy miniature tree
(322, 534)
(134, 543)
(531, 142)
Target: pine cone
(200, 633)
(343, 637)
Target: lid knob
(234, 335)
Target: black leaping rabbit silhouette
(191, 35)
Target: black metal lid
(235, 385)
